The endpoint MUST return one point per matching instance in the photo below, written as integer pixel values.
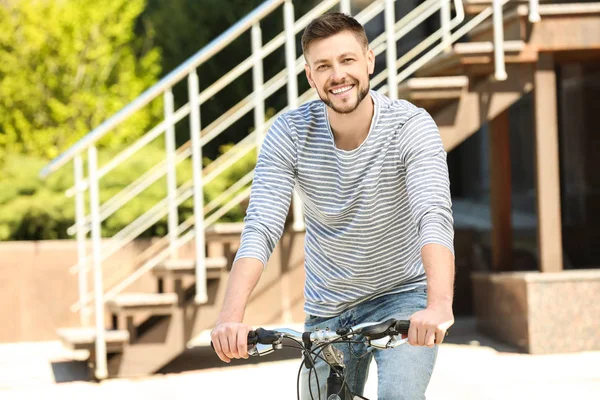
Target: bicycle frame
(335, 388)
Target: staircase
(462, 84)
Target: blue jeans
(403, 372)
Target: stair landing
(84, 339)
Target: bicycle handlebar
(380, 335)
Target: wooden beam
(481, 103)
(500, 193)
(556, 33)
(549, 229)
(562, 27)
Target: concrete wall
(541, 313)
(37, 290)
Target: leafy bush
(66, 68)
(30, 208)
(36, 209)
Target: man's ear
(308, 76)
(370, 61)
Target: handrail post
(390, 30)
(534, 13)
(500, 70)
(258, 86)
(346, 7)
(292, 91)
(82, 267)
(290, 54)
(445, 22)
(100, 348)
(193, 91)
(172, 219)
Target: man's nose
(337, 73)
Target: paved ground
(474, 367)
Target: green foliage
(36, 209)
(65, 68)
(32, 209)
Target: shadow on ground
(464, 332)
(71, 371)
(204, 357)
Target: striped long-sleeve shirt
(368, 211)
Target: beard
(361, 93)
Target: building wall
(37, 289)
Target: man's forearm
(439, 267)
(242, 280)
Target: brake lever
(260, 349)
(388, 342)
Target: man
(373, 178)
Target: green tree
(66, 67)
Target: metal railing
(193, 228)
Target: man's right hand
(230, 340)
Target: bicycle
(379, 335)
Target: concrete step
(426, 92)
(562, 26)
(477, 6)
(476, 58)
(131, 303)
(472, 48)
(80, 338)
(178, 268)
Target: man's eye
(347, 60)
(321, 67)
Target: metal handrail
(182, 71)
(163, 255)
(463, 30)
(429, 7)
(210, 132)
(158, 211)
(190, 221)
(136, 187)
(150, 177)
(114, 162)
(209, 92)
(366, 15)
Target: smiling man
(373, 177)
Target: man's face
(338, 67)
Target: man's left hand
(428, 327)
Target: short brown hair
(330, 24)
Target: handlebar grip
(402, 326)
(252, 339)
(266, 337)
